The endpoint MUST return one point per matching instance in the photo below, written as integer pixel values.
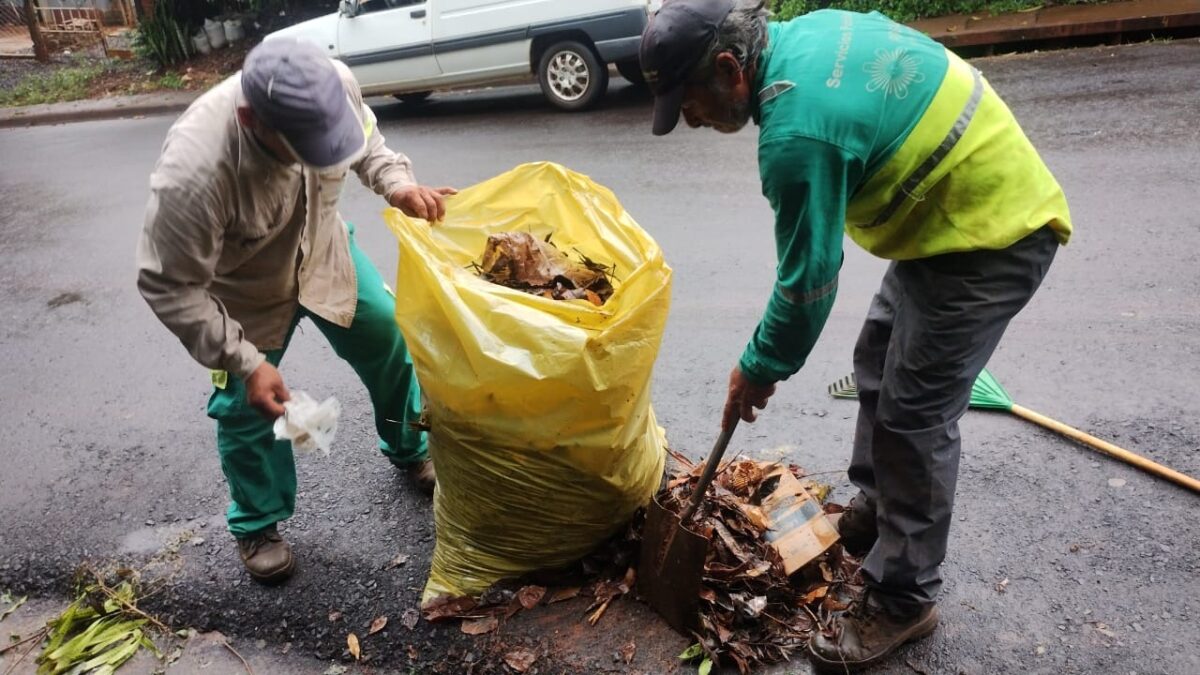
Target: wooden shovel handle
(710, 468)
(1109, 449)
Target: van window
(377, 5)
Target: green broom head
(987, 392)
(844, 388)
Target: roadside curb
(1061, 22)
(97, 109)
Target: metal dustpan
(672, 558)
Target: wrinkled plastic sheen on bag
(542, 432)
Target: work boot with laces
(856, 526)
(867, 634)
(421, 475)
(267, 557)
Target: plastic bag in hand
(308, 425)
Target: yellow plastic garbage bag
(542, 432)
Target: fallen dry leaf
(335, 616)
(530, 596)
(520, 659)
(447, 608)
(480, 626)
(627, 651)
(758, 570)
(413, 653)
(815, 594)
(377, 625)
(398, 561)
(832, 604)
(355, 649)
(595, 617)
(755, 515)
(409, 618)
(563, 594)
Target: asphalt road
(107, 454)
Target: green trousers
(260, 470)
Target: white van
(408, 48)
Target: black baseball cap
(673, 43)
(295, 90)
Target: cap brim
(666, 110)
(325, 149)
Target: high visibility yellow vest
(966, 178)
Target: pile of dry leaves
(751, 611)
(521, 261)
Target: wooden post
(40, 52)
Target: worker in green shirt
(870, 129)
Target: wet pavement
(1061, 561)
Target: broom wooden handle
(1109, 449)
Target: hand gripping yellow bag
(542, 432)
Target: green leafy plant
(908, 10)
(171, 81)
(162, 36)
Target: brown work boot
(267, 557)
(421, 475)
(867, 634)
(856, 526)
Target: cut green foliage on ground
(97, 633)
(908, 10)
(101, 630)
(9, 604)
(65, 84)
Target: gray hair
(743, 34)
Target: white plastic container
(216, 33)
(201, 44)
(234, 30)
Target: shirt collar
(760, 74)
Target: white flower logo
(893, 71)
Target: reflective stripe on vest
(909, 187)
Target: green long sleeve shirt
(838, 92)
(809, 199)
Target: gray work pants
(931, 328)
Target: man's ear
(729, 68)
(246, 117)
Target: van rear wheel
(572, 76)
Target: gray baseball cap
(295, 90)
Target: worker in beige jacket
(242, 239)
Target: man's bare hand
(744, 397)
(266, 392)
(418, 201)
